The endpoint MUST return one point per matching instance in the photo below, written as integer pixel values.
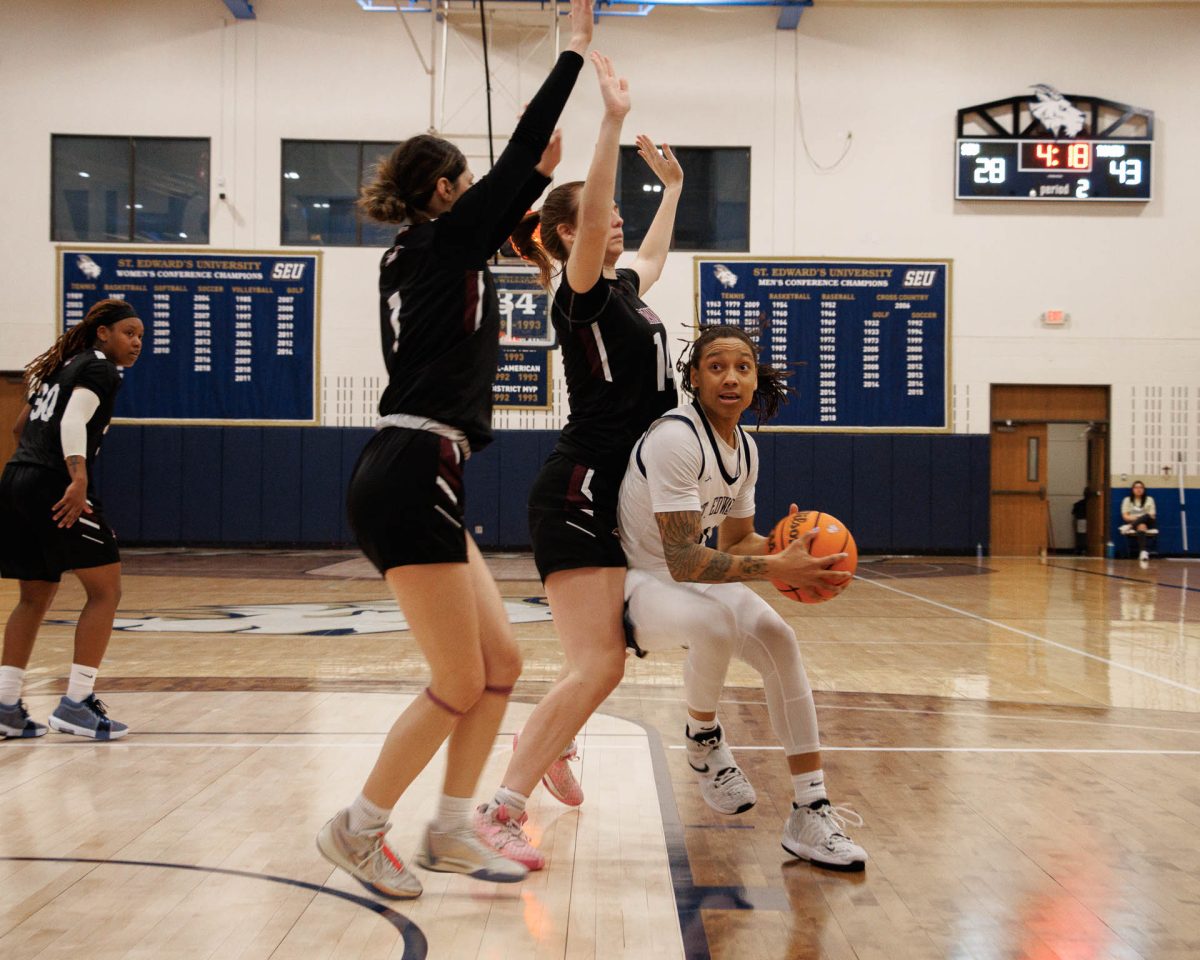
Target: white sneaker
(1144, 555)
(722, 784)
(814, 833)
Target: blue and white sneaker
(87, 718)
(15, 721)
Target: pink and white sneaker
(559, 779)
(496, 827)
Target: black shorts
(573, 517)
(406, 499)
(32, 545)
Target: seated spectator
(1138, 512)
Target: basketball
(832, 537)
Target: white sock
(82, 682)
(453, 814)
(511, 799)
(11, 679)
(364, 815)
(696, 727)
(809, 787)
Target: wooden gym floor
(1020, 737)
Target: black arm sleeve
(529, 192)
(481, 215)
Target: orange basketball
(832, 537)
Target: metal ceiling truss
(789, 12)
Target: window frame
(359, 218)
(675, 148)
(131, 142)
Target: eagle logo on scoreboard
(1055, 112)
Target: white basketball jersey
(681, 465)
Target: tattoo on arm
(689, 560)
(77, 467)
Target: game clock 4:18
(999, 169)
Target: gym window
(129, 189)
(320, 181)
(714, 209)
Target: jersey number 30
(44, 404)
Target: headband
(117, 314)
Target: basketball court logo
(300, 619)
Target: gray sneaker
(463, 852)
(16, 722)
(367, 858)
(814, 833)
(87, 718)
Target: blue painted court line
(416, 947)
(1118, 576)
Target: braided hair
(772, 390)
(104, 313)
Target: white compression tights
(717, 621)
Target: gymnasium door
(12, 400)
(1020, 510)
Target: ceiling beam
(240, 9)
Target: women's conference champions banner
(867, 342)
(230, 336)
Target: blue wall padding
(874, 468)
(199, 483)
(898, 493)
(242, 485)
(282, 478)
(162, 497)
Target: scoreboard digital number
(999, 169)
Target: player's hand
(581, 26)
(664, 165)
(614, 90)
(796, 566)
(551, 156)
(72, 505)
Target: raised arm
(657, 243)
(594, 218)
(486, 210)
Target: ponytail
(404, 181)
(536, 238)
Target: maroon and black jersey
(439, 314)
(618, 369)
(41, 437)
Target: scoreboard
(991, 168)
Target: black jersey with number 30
(618, 369)
(41, 438)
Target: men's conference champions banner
(867, 343)
(230, 337)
